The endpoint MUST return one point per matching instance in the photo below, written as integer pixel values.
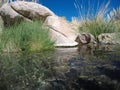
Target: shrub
(26, 36)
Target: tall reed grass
(94, 19)
(97, 27)
(115, 17)
(26, 36)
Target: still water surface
(79, 68)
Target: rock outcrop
(31, 10)
(20, 10)
(60, 30)
(9, 16)
(85, 38)
(108, 38)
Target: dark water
(79, 68)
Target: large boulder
(61, 32)
(9, 16)
(31, 10)
(20, 10)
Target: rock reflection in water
(83, 68)
(93, 68)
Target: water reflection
(23, 71)
(80, 68)
(90, 69)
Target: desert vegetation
(97, 20)
(33, 62)
(26, 36)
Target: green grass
(96, 20)
(1, 24)
(26, 36)
(97, 27)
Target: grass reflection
(23, 72)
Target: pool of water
(78, 68)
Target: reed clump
(26, 36)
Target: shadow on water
(78, 68)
